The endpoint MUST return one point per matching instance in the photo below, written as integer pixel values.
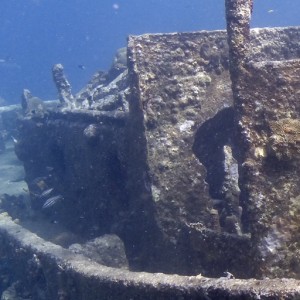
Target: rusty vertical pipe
(238, 15)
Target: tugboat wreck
(175, 175)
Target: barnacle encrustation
(284, 141)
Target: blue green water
(35, 34)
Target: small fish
(46, 193)
(49, 169)
(5, 60)
(52, 201)
(14, 140)
(270, 11)
(82, 67)
(8, 63)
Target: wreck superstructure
(194, 177)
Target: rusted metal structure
(266, 105)
(196, 178)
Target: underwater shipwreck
(174, 175)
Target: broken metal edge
(254, 31)
(90, 115)
(19, 243)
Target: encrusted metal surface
(65, 275)
(266, 104)
(269, 119)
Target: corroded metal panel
(180, 119)
(269, 115)
(266, 105)
(182, 81)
